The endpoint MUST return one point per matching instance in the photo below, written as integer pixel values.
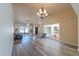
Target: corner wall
(75, 7)
(68, 25)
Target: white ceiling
(26, 13)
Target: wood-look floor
(37, 46)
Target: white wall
(78, 33)
(6, 29)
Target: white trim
(78, 34)
(65, 42)
(78, 49)
(69, 43)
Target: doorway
(52, 30)
(36, 30)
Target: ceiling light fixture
(42, 13)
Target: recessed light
(27, 24)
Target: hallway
(37, 46)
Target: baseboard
(65, 42)
(12, 48)
(68, 43)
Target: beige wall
(66, 17)
(68, 25)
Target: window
(26, 29)
(23, 29)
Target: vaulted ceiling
(26, 12)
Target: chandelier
(42, 13)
